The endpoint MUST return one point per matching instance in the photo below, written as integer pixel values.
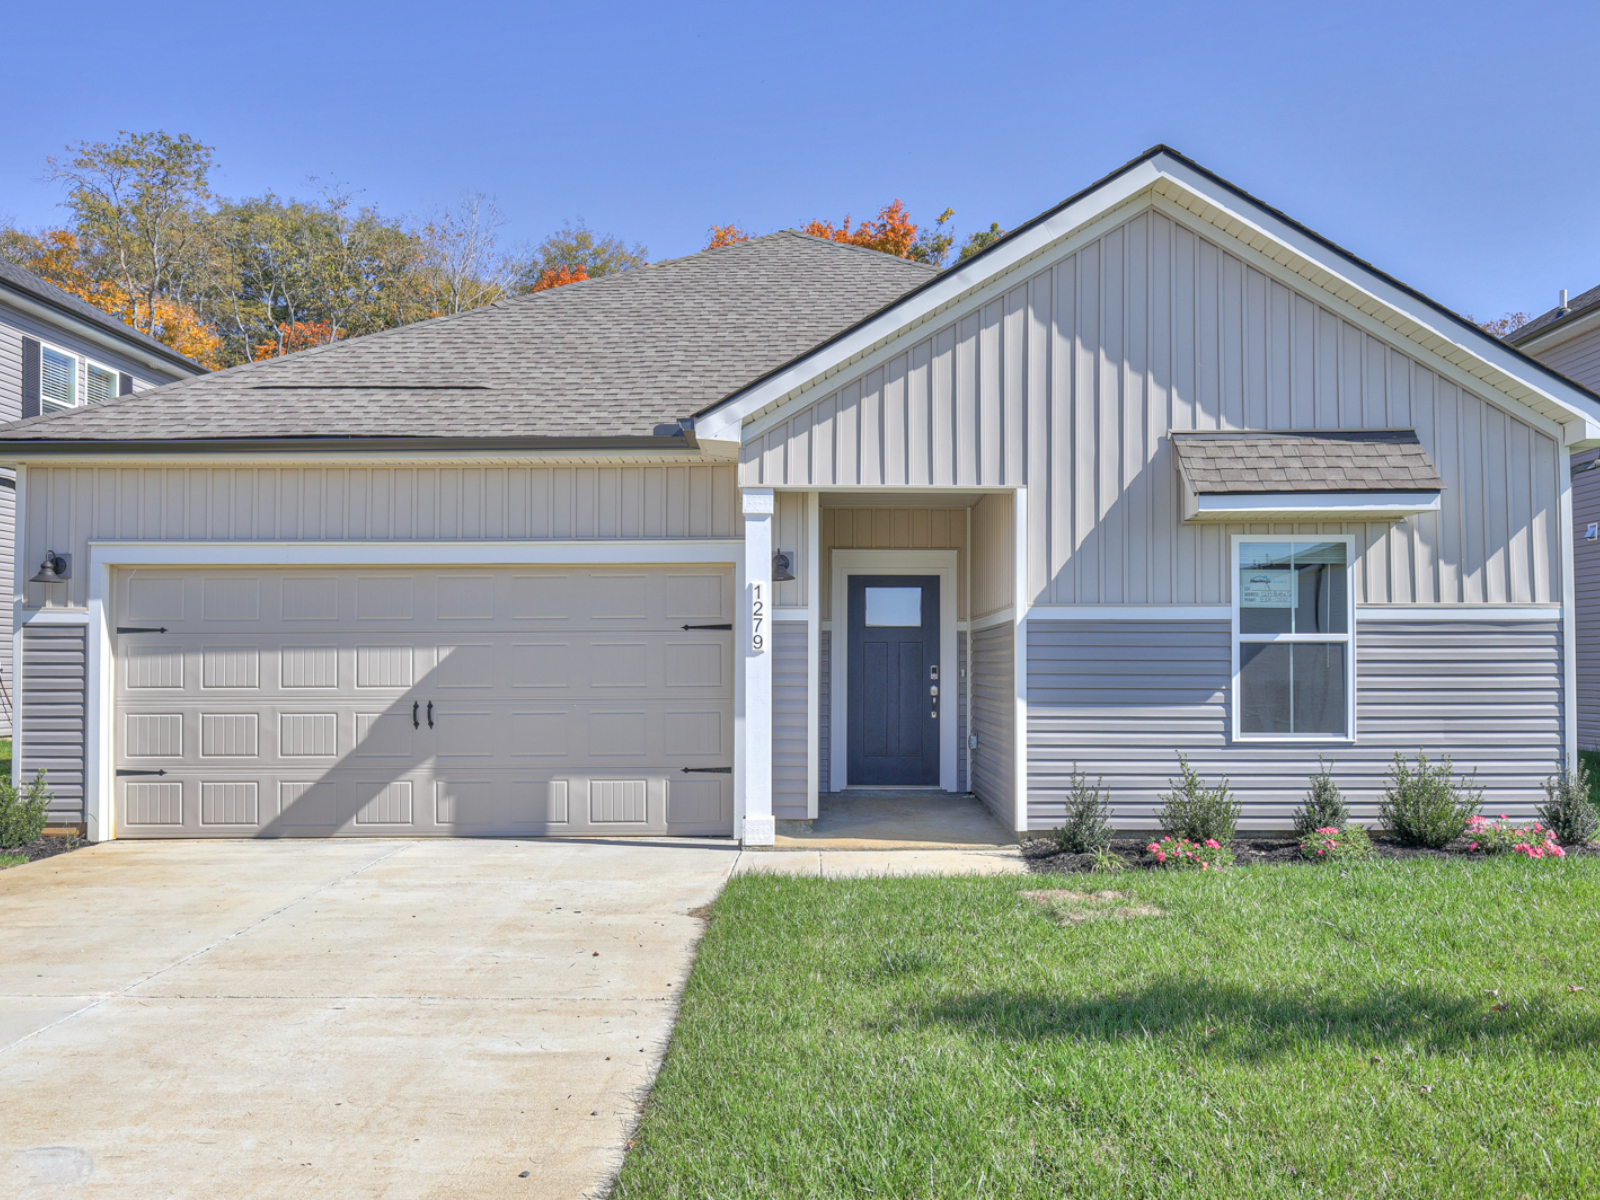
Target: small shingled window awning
(1345, 475)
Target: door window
(894, 607)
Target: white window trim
(1348, 639)
(46, 404)
(90, 364)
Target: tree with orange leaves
(554, 277)
(725, 235)
(298, 335)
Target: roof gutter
(37, 448)
(149, 355)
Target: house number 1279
(758, 618)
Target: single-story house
(680, 549)
(58, 352)
(1567, 339)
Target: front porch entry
(898, 819)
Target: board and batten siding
(994, 719)
(790, 721)
(880, 528)
(1069, 382)
(66, 506)
(1122, 698)
(54, 676)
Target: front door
(894, 680)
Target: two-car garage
(409, 701)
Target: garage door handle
(140, 629)
(430, 714)
(708, 626)
(709, 770)
(121, 771)
(415, 724)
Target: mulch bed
(1043, 858)
(46, 847)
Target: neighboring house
(56, 353)
(1567, 339)
(673, 551)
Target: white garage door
(371, 703)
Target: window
(58, 379)
(1293, 669)
(894, 606)
(102, 384)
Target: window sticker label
(1267, 587)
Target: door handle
(430, 714)
(415, 724)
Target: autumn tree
(724, 235)
(893, 232)
(981, 240)
(575, 252)
(463, 266)
(1504, 326)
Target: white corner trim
(759, 501)
(1019, 653)
(397, 553)
(1458, 612)
(1354, 506)
(944, 564)
(1130, 612)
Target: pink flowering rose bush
(1181, 853)
(1502, 837)
(1332, 844)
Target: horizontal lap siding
(67, 506)
(961, 712)
(1122, 698)
(790, 720)
(824, 709)
(8, 524)
(994, 716)
(1070, 381)
(1586, 579)
(52, 700)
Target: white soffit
(1307, 506)
(1250, 224)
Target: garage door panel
(564, 700)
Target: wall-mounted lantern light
(54, 569)
(781, 567)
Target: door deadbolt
(934, 690)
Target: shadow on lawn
(1251, 1023)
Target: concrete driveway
(208, 1020)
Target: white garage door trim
(106, 556)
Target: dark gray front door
(894, 674)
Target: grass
(1591, 759)
(12, 860)
(1275, 1031)
(5, 758)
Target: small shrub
(1426, 806)
(1324, 807)
(1107, 861)
(1568, 810)
(1333, 844)
(1087, 828)
(1194, 811)
(1181, 853)
(22, 814)
(1501, 837)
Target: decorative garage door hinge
(709, 770)
(140, 629)
(729, 627)
(126, 771)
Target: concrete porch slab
(896, 820)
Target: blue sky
(1454, 145)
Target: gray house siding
(824, 709)
(790, 720)
(54, 677)
(1578, 357)
(1069, 382)
(1121, 698)
(1586, 585)
(994, 719)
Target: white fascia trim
(1005, 616)
(1130, 612)
(1351, 505)
(169, 372)
(1343, 277)
(725, 422)
(413, 553)
(265, 460)
(1458, 612)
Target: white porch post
(755, 633)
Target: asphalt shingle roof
(28, 284)
(618, 356)
(1576, 305)
(1378, 460)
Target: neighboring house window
(58, 379)
(102, 384)
(1293, 666)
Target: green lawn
(1591, 760)
(1274, 1031)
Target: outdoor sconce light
(781, 572)
(54, 569)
